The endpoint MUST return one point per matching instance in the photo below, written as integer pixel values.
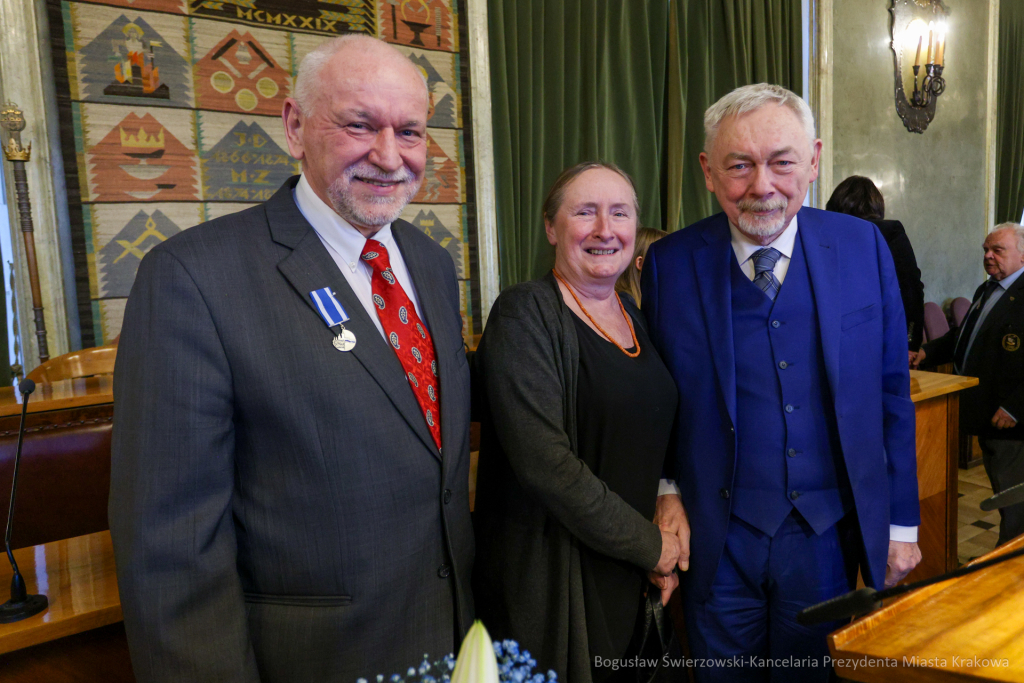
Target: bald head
(358, 122)
(354, 57)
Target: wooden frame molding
(483, 149)
(820, 89)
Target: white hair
(1018, 231)
(308, 84)
(748, 98)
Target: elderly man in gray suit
(289, 485)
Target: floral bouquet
(479, 661)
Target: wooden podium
(937, 407)
(965, 629)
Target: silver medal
(344, 340)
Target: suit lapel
(310, 267)
(714, 282)
(999, 309)
(822, 255)
(429, 289)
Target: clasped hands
(670, 516)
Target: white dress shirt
(345, 245)
(744, 248)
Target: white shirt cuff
(666, 487)
(1012, 417)
(904, 534)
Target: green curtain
(571, 81)
(621, 81)
(1010, 112)
(716, 46)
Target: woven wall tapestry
(170, 116)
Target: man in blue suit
(795, 452)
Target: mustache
(370, 172)
(761, 204)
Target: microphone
(21, 605)
(860, 602)
(1011, 496)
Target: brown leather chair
(64, 480)
(98, 360)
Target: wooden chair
(98, 360)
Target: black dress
(624, 412)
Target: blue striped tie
(764, 267)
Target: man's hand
(903, 557)
(667, 584)
(1002, 420)
(669, 554)
(670, 516)
(916, 358)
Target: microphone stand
(21, 605)
(865, 600)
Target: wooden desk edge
(938, 384)
(842, 644)
(44, 632)
(89, 557)
(57, 404)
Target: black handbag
(651, 640)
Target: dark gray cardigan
(536, 500)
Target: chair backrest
(64, 481)
(98, 360)
(935, 324)
(960, 306)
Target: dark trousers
(761, 584)
(1004, 464)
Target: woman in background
(629, 282)
(576, 408)
(858, 196)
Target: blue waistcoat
(788, 453)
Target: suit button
(783, 364)
(793, 495)
(724, 493)
(791, 452)
(775, 323)
(447, 496)
(443, 571)
(789, 408)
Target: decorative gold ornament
(14, 152)
(13, 121)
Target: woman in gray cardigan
(576, 409)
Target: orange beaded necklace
(600, 329)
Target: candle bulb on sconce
(919, 82)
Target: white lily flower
(476, 662)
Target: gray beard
(373, 212)
(760, 227)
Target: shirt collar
(746, 247)
(336, 232)
(1008, 281)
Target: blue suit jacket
(687, 302)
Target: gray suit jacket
(278, 508)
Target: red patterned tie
(407, 335)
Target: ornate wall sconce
(919, 30)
